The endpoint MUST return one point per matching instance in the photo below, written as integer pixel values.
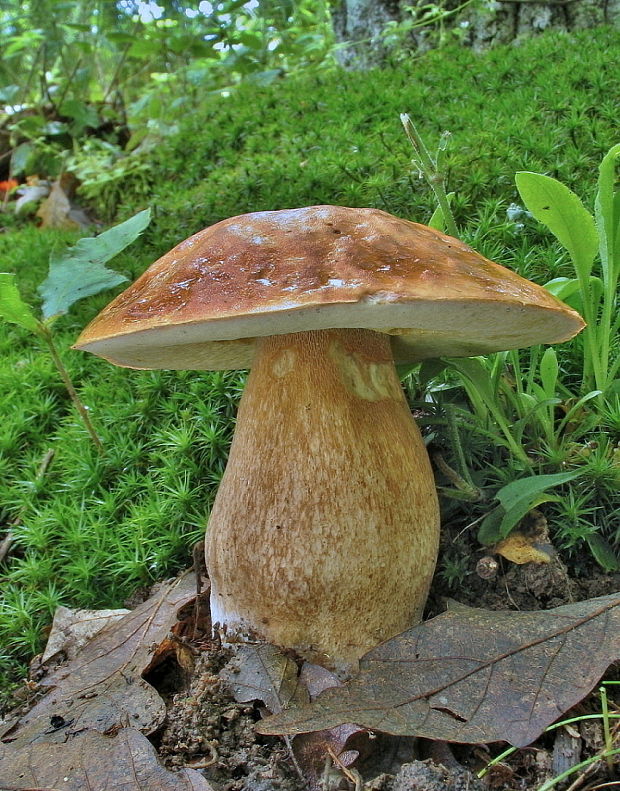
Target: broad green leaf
(549, 369)
(12, 306)
(499, 522)
(553, 204)
(81, 272)
(528, 488)
(606, 211)
(489, 532)
(514, 515)
(20, 157)
(603, 553)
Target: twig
(7, 541)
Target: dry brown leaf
(472, 675)
(55, 209)
(520, 548)
(127, 761)
(72, 629)
(263, 672)
(102, 688)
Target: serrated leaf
(555, 205)
(12, 306)
(472, 675)
(81, 272)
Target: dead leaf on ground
(520, 548)
(263, 672)
(72, 629)
(54, 211)
(471, 675)
(94, 761)
(102, 688)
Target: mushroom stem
(324, 532)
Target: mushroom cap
(203, 304)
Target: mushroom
(324, 533)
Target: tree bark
(359, 24)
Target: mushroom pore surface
(324, 532)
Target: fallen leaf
(102, 688)
(72, 629)
(520, 548)
(54, 211)
(471, 675)
(94, 761)
(263, 672)
(31, 193)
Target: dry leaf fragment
(127, 761)
(520, 548)
(72, 629)
(472, 675)
(54, 211)
(263, 672)
(102, 688)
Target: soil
(206, 728)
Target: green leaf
(516, 500)
(603, 553)
(512, 517)
(607, 213)
(81, 272)
(553, 204)
(12, 306)
(437, 220)
(489, 532)
(549, 369)
(20, 157)
(510, 495)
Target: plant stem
(64, 375)
(430, 172)
(606, 729)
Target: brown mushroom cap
(203, 304)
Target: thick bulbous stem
(324, 532)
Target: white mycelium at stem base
(324, 533)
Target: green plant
(606, 755)
(518, 406)
(77, 273)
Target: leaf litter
(473, 676)
(485, 675)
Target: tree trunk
(359, 24)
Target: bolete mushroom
(323, 536)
